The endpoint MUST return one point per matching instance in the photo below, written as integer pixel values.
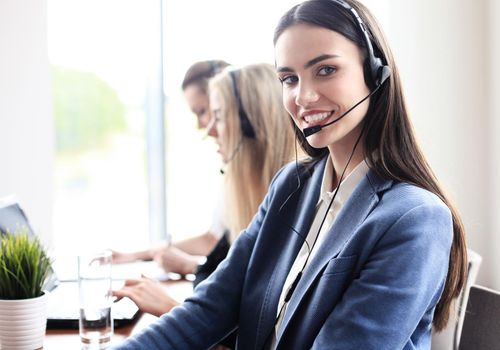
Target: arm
(398, 287)
(206, 317)
(172, 259)
(182, 257)
(198, 245)
(148, 254)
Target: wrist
(153, 252)
(191, 264)
(145, 255)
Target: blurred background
(101, 150)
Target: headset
(377, 71)
(246, 127)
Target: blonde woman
(252, 130)
(253, 136)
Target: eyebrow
(309, 63)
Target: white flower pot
(23, 323)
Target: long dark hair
(391, 149)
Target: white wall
(493, 241)
(444, 51)
(26, 128)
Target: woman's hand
(148, 295)
(120, 257)
(173, 259)
(149, 254)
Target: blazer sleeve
(208, 315)
(212, 312)
(397, 288)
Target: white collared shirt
(346, 188)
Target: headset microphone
(246, 126)
(231, 157)
(314, 129)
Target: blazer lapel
(304, 202)
(355, 210)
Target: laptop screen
(12, 218)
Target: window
(101, 54)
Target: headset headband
(379, 72)
(246, 127)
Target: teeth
(312, 118)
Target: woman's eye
(324, 71)
(288, 79)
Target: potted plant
(24, 267)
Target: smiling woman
(388, 145)
(342, 238)
(319, 87)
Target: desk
(64, 339)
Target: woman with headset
(355, 248)
(251, 129)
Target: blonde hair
(257, 160)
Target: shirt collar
(347, 186)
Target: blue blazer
(373, 284)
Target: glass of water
(94, 285)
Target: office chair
(481, 327)
(448, 338)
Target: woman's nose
(306, 94)
(210, 128)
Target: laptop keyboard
(63, 304)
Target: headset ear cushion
(370, 78)
(375, 78)
(384, 72)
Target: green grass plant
(24, 265)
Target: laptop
(63, 309)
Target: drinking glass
(94, 285)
